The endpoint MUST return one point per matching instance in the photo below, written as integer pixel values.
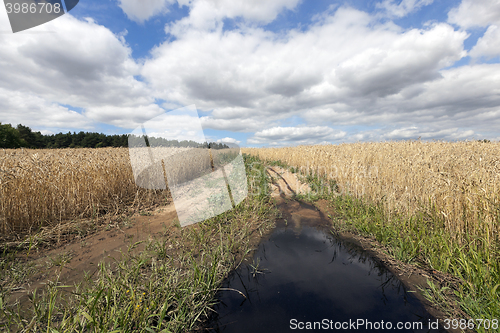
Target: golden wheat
(46, 187)
(460, 181)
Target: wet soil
(282, 282)
(69, 261)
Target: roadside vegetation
(435, 205)
(170, 286)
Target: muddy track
(286, 185)
(83, 255)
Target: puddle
(302, 275)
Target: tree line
(23, 137)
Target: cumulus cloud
(143, 10)
(209, 14)
(475, 13)
(487, 46)
(296, 135)
(403, 8)
(480, 13)
(414, 57)
(81, 64)
(229, 140)
(18, 107)
(464, 99)
(250, 78)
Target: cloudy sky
(261, 72)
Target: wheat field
(456, 182)
(46, 187)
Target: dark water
(302, 275)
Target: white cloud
(142, 10)
(403, 8)
(480, 13)
(475, 13)
(123, 116)
(462, 91)
(415, 132)
(251, 79)
(296, 135)
(229, 140)
(17, 107)
(464, 99)
(487, 46)
(263, 11)
(81, 64)
(44, 132)
(423, 132)
(238, 125)
(416, 56)
(208, 14)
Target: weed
(60, 260)
(170, 286)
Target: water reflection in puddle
(307, 276)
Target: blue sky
(261, 72)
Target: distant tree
(124, 140)
(40, 140)
(116, 142)
(215, 145)
(91, 140)
(10, 138)
(76, 139)
(27, 135)
(63, 140)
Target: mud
(82, 255)
(304, 220)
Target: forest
(24, 137)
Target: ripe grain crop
(456, 183)
(154, 167)
(178, 165)
(46, 187)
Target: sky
(261, 73)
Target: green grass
(422, 240)
(168, 287)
